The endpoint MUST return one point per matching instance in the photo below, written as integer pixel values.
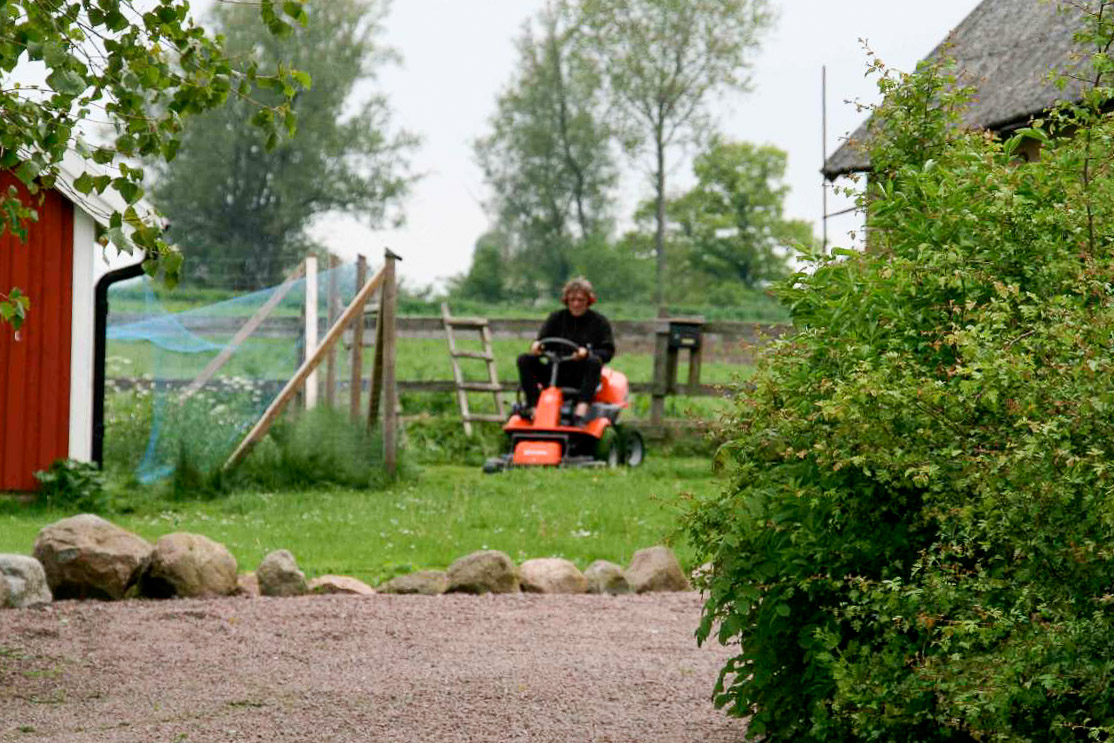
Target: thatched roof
(1006, 49)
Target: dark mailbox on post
(684, 335)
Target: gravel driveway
(384, 668)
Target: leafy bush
(72, 486)
(918, 544)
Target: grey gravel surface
(382, 668)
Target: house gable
(1006, 50)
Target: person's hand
(535, 349)
(581, 354)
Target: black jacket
(591, 330)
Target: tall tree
(145, 70)
(486, 279)
(547, 158)
(665, 60)
(733, 219)
(241, 212)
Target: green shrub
(70, 485)
(918, 544)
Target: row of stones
(87, 557)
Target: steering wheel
(566, 351)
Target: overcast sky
(458, 54)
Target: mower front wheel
(634, 448)
(609, 449)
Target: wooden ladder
(479, 324)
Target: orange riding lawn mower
(554, 438)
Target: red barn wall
(35, 367)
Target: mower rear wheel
(495, 464)
(634, 448)
(609, 449)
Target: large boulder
(86, 557)
(487, 571)
(606, 577)
(278, 575)
(189, 565)
(656, 569)
(23, 582)
(423, 582)
(342, 584)
(551, 575)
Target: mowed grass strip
(426, 523)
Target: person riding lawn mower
(572, 401)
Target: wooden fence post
(311, 328)
(390, 354)
(333, 312)
(357, 345)
(696, 359)
(375, 381)
(661, 379)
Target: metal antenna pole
(824, 146)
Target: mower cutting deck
(553, 438)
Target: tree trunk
(659, 235)
(564, 136)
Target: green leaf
(84, 183)
(129, 190)
(53, 54)
(126, 144)
(67, 82)
(103, 155)
(28, 171)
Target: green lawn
(426, 522)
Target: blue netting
(152, 425)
